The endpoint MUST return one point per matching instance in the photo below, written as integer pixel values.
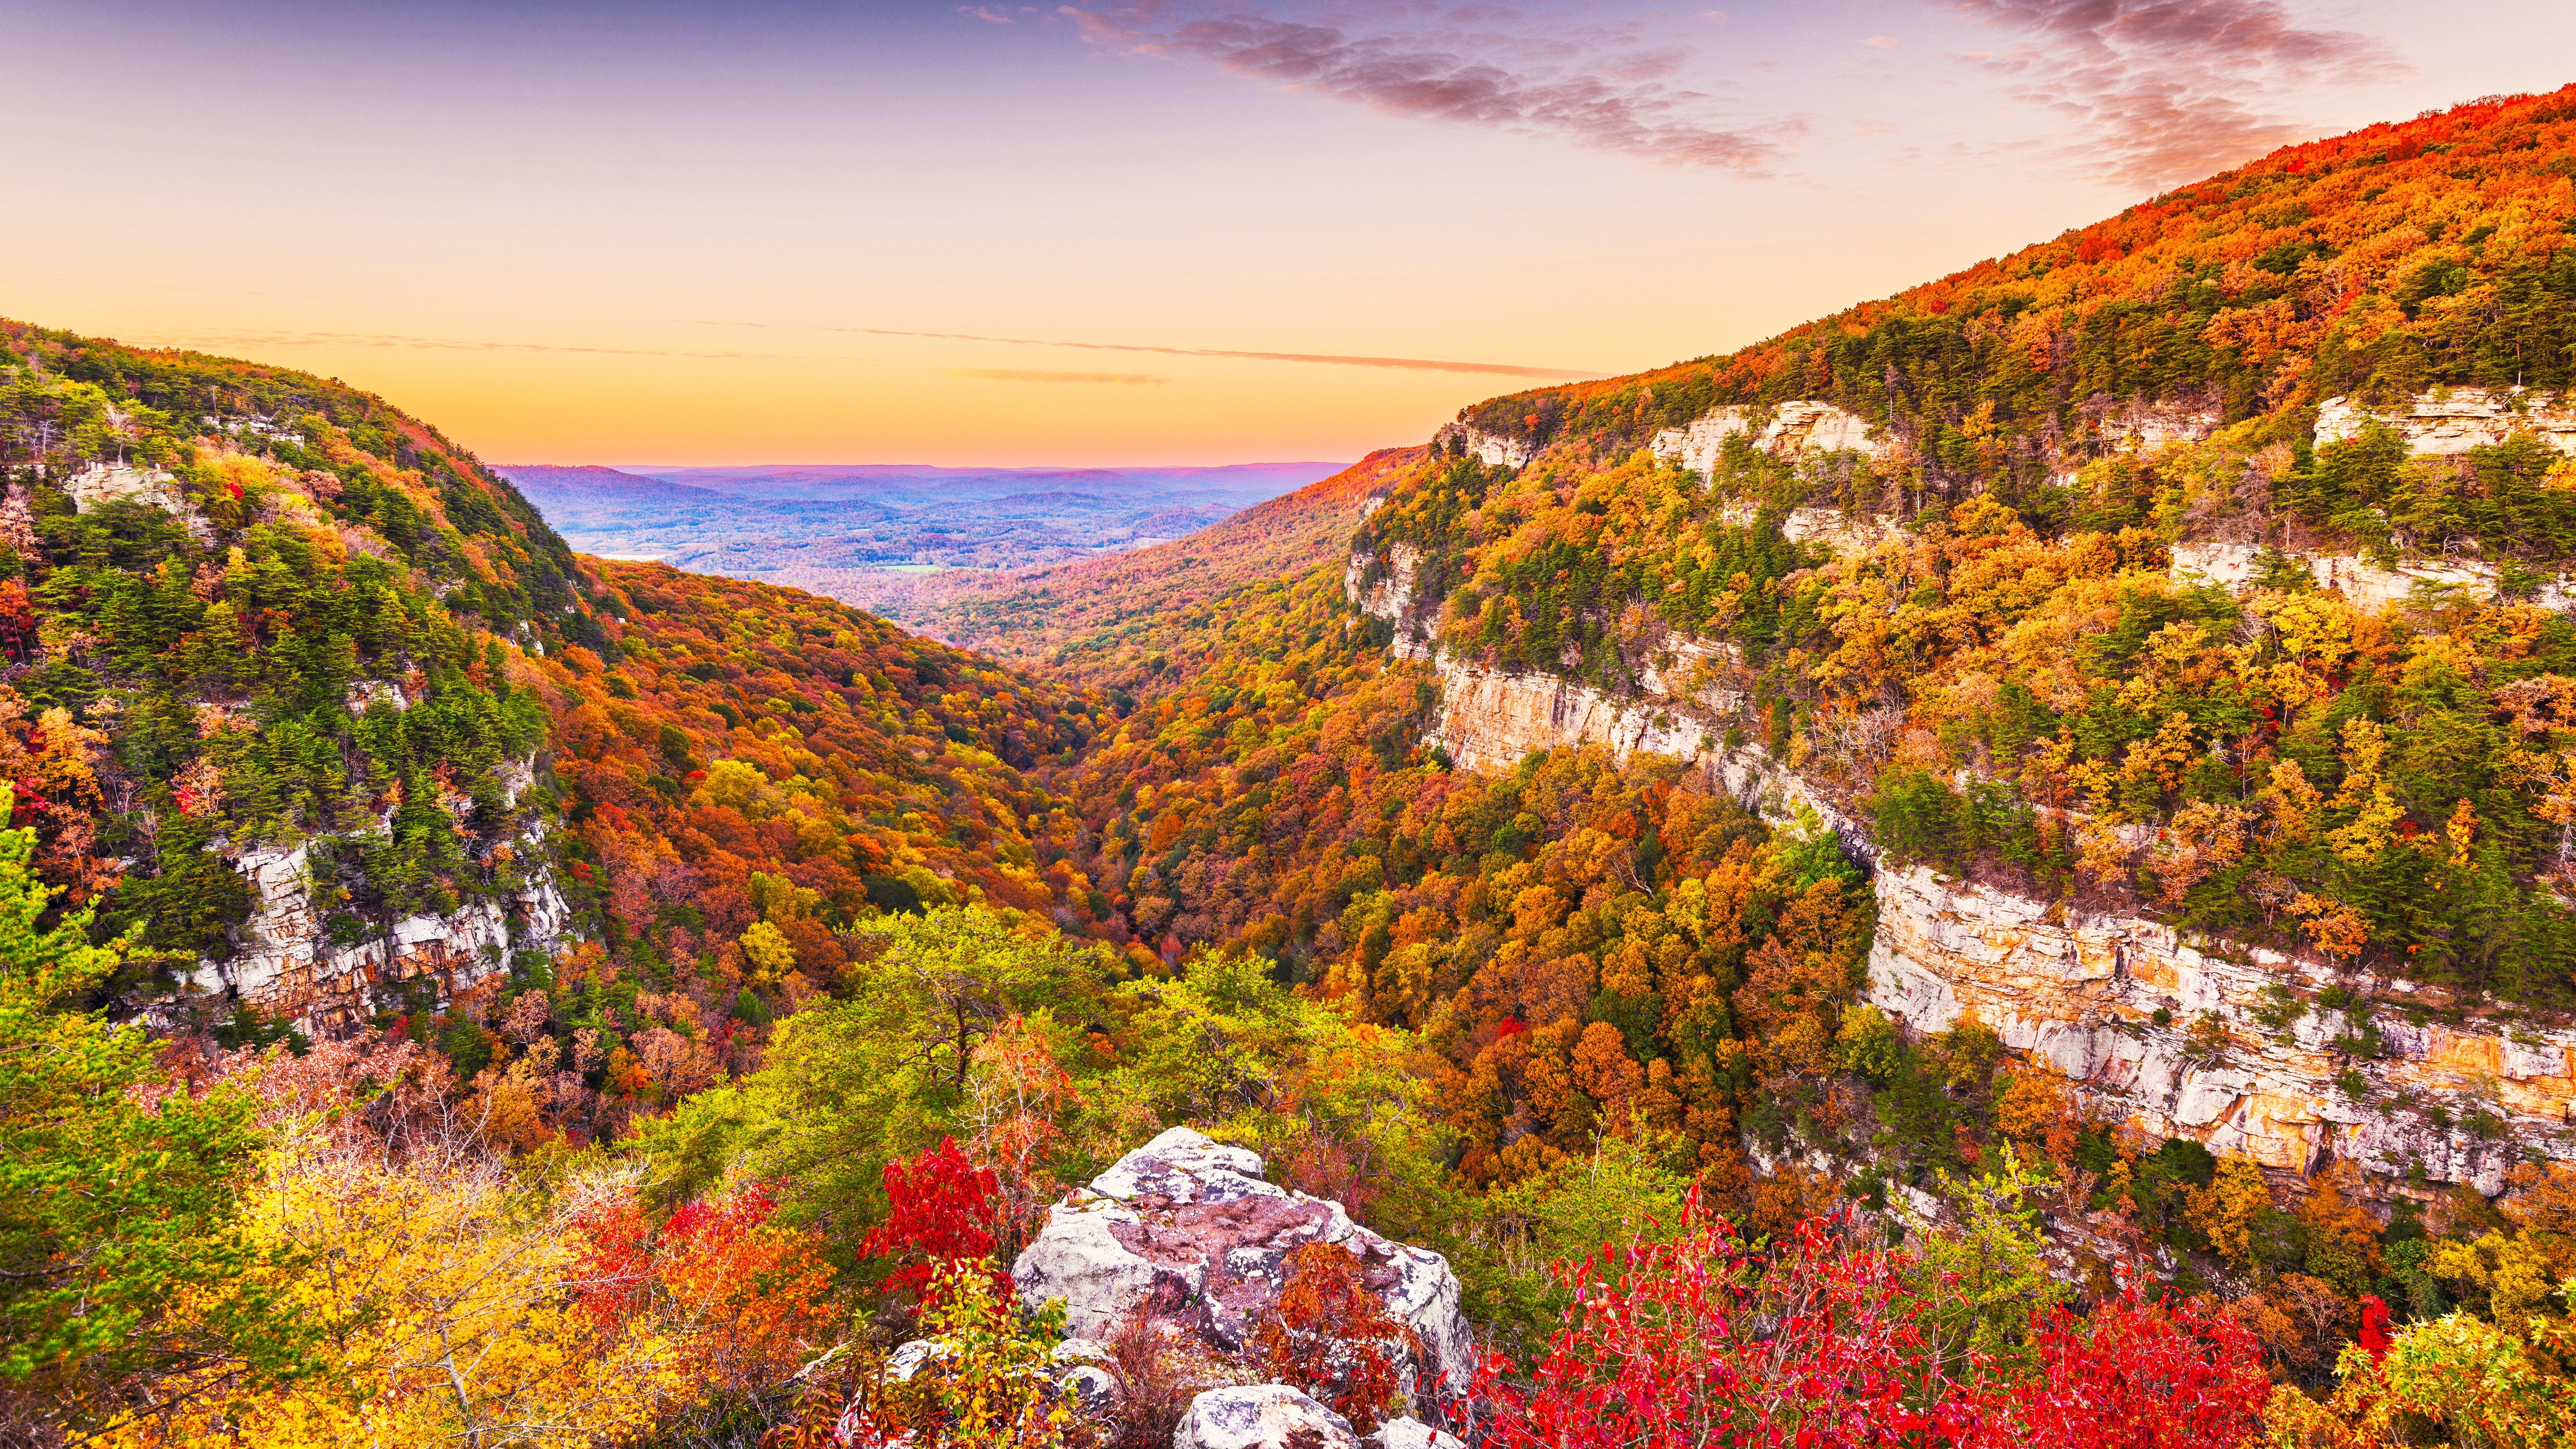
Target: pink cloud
(2164, 90)
(1591, 85)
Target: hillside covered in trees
(1139, 621)
(876, 947)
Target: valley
(867, 534)
(2004, 848)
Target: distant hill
(1134, 620)
(590, 485)
(835, 527)
(1242, 484)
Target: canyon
(2251, 1051)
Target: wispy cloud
(1598, 86)
(462, 344)
(1013, 374)
(453, 344)
(1331, 359)
(2164, 90)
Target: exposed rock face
(287, 968)
(1489, 720)
(104, 483)
(2359, 582)
(2083, 993)
(1788, 429)
(2149, 426)
(1492, 450)
(2456, 419)
(1186, 1231)
(1261, 1416)
(1390, 597)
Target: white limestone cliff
(1785, 429)
(2450, 421)
(103, 483)
(285, 965)
(2460, 1103)
(2360, 582)
(1491, 449)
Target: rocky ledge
(1185, 1234)
(2227, 1044)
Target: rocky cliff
(1186, 1234)
(1786, 430)
(286, 965)
(2226, 1044)
(2219, 1042)
(1493, 450)
(2454, 420)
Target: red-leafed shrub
(743, 1300)
(941, 1211)
(1704, 1341)
(2132, 1375)
(1815, 1343)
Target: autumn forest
(458, 991)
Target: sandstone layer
(2113, 1001)
(2454, 420)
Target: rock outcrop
(1491, 449)
(1261, 1416)
(1489, 720)
(1186, 1232)
(2454, 420)
(1391, 597)
(1785, 429)
(2362, 584)
(2113, 1001)
(287, 968)
(103, 483)
(285, 965)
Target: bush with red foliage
(745, 1300)
(1813, 1342)
(2131, 1375)
(941, 1210)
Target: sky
(1172, 232)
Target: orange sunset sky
(859, 233)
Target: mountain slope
(2193, 687)
(1138, 620)
(2038, 442)
(319, 704)
(2378, 264)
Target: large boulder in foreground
(1186, 1231)
(1261, 1416)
